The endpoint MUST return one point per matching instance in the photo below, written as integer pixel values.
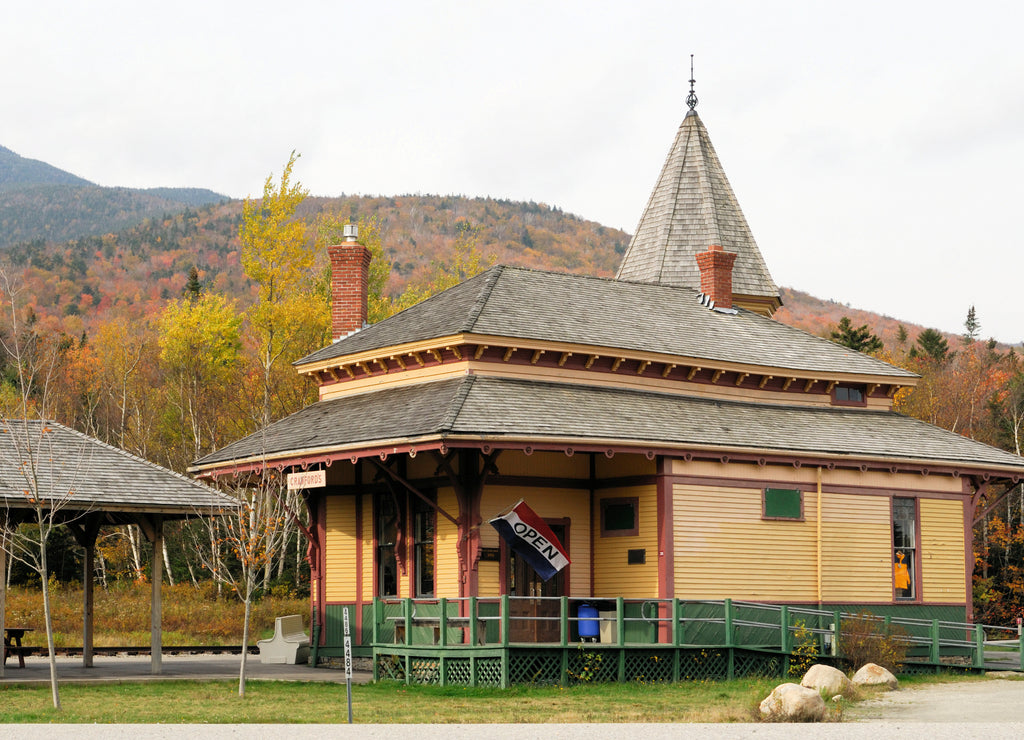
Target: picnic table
(12, 643)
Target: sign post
(348, 664)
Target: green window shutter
(783, 503)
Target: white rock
(825, 678)
(791, 702)
(875, 675)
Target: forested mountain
(41, 202)
(76, 282)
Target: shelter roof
(97, 476)
(525, 304)
(692, 207)
(482, 407)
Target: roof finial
(691, 99)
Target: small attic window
(846, 394)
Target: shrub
(865, 638)
(805, 649)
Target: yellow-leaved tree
(289, 317)
(199, 354)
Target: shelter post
(87, 603)
(85, 535)
(156, 618)
(3, 593)
(154, 530)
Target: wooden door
(534, 618)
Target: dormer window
(849, 395)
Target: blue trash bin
(588, 625)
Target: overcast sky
(876, 147)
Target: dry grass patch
(191, 616)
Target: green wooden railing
(477, 627)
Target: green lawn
(192, 702)
(277, 702)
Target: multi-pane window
(850, 394)
(424, 522)
(904, 547)
(387, 523)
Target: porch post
(666, 549)
(3, 591)
(85, 535)
(88, 574)
(156, 608)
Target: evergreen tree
(972, 326)
(193, 288)
(859, 339)
(932, 344)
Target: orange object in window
(901, 573)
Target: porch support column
(85, 534)
(469, 514)
(666, 550)
(156, 611)
(154, 531)
(3, 589)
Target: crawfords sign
(307, 479)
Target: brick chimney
(350, 279)
(716, 275)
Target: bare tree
(39, 476)
(237, 546)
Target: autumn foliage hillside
(74, 284)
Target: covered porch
(471, 642)
(86, 485)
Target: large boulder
(875, 675)
(791, 702)
(826, 679)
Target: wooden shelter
(682, 444)
(86, 484)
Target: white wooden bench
(289, 644)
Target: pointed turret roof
(691, 208)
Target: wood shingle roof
(692, 207)
(98, 476)
(524, 304)
(482, 407)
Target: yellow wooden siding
(544, 464)
(723, 549)
(340, 548)
(368, 551)
(613, 576)
(549, 503)
(489, 575)
(408, 377)
(446, 552)
(772, 475)
(943, 578)
(622, 465)
(856, 548)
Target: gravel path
(994, 700)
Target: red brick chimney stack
(350, 280)
(716, 275)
